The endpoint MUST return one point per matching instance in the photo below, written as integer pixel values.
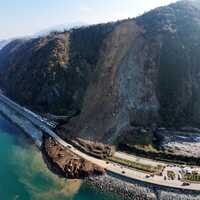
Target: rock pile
(139, 190)
(66, 163)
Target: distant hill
(3, 43)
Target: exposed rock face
(147, 73)
(141, 71)
(176, 29)
(64, 162)
(124, 86)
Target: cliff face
(117, 88)
(140, 71)
(176, 29)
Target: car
(185, 184)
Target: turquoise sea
(24, 175)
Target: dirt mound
(66, 163)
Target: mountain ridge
(140, 72)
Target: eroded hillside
(141, 72)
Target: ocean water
(25, 176)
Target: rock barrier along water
(138, 190)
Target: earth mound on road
(66, 163)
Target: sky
(27, 17)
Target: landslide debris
(66, 163)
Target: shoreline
(139, 190)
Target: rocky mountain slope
(139, 72)
(51, 73)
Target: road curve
(125, 173)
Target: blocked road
(124, 172)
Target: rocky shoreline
(139, 190)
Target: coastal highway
(113, 168)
